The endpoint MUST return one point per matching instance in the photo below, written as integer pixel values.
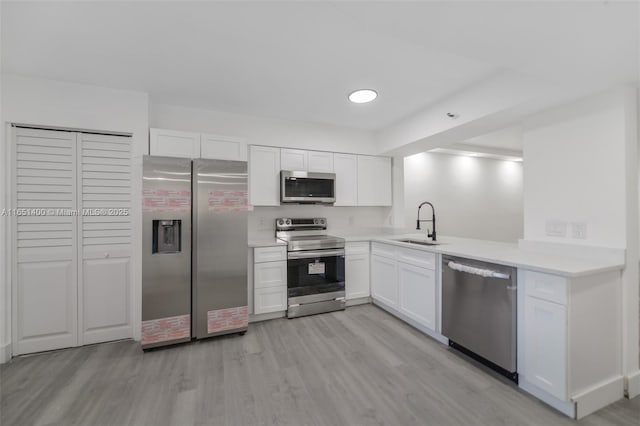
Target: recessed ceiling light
(363, 96)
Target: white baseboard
(5, 353)
(358, 301)
(567, 408)
(599, 396)
(632, 384)
(266, 317)
(431, 333)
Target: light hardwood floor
(356, 367)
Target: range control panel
(288, 224)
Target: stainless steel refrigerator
(194, 276)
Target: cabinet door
(320, 161)
(417, 288)
(294, 159)
(270, 274)
(357, 276)
(345, 166)
(545, 350)
(384, 280)
(374, 181)
(171, 143)
(264, 176)
(223, 148)
(270, 299)
(270, 287)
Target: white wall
(339, 219)
(474, 197)
(34, 101)
(263, 131)
(574, 171)
(581, 164)
(5, 338)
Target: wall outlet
(351, 221)
(556, 228)
(579, 230)
(262, 223)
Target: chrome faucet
(431, 235)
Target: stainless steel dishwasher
(479, 311)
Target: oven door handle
(313, 254)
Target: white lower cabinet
(403, 280)
(569, 340)
(384, 280)
(545, 331)
(356, 270)
(417, 288)
(270, 299)
(269, 280)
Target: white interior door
(105, 239)
(45, 244)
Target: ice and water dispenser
(167, 235)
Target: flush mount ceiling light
(363, 96)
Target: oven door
(314, 276)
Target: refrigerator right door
(219, 260)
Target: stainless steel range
(315, 266)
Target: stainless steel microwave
(307, 187)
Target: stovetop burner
(306, 234)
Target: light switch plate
(556, 228)
(579, 230)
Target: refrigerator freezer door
(166, 251)
(220, 247)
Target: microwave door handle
(314, 254)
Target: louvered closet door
(105, 199)
(45, 268)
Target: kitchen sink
(421, 242)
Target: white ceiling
(299, 60)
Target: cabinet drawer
(552, 288)
(269, 254)
(272, 299)
(386, 250)
(356, 248)
(270, 274)
(417, 257)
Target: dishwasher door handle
(487, 273)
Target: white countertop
(266, 242)
(508, 254)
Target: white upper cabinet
(172, 143)
(374, 181)
(345, 166)
(320, 162)
(217, 147)
(306, 161)
(294, 159)
(264, 176)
